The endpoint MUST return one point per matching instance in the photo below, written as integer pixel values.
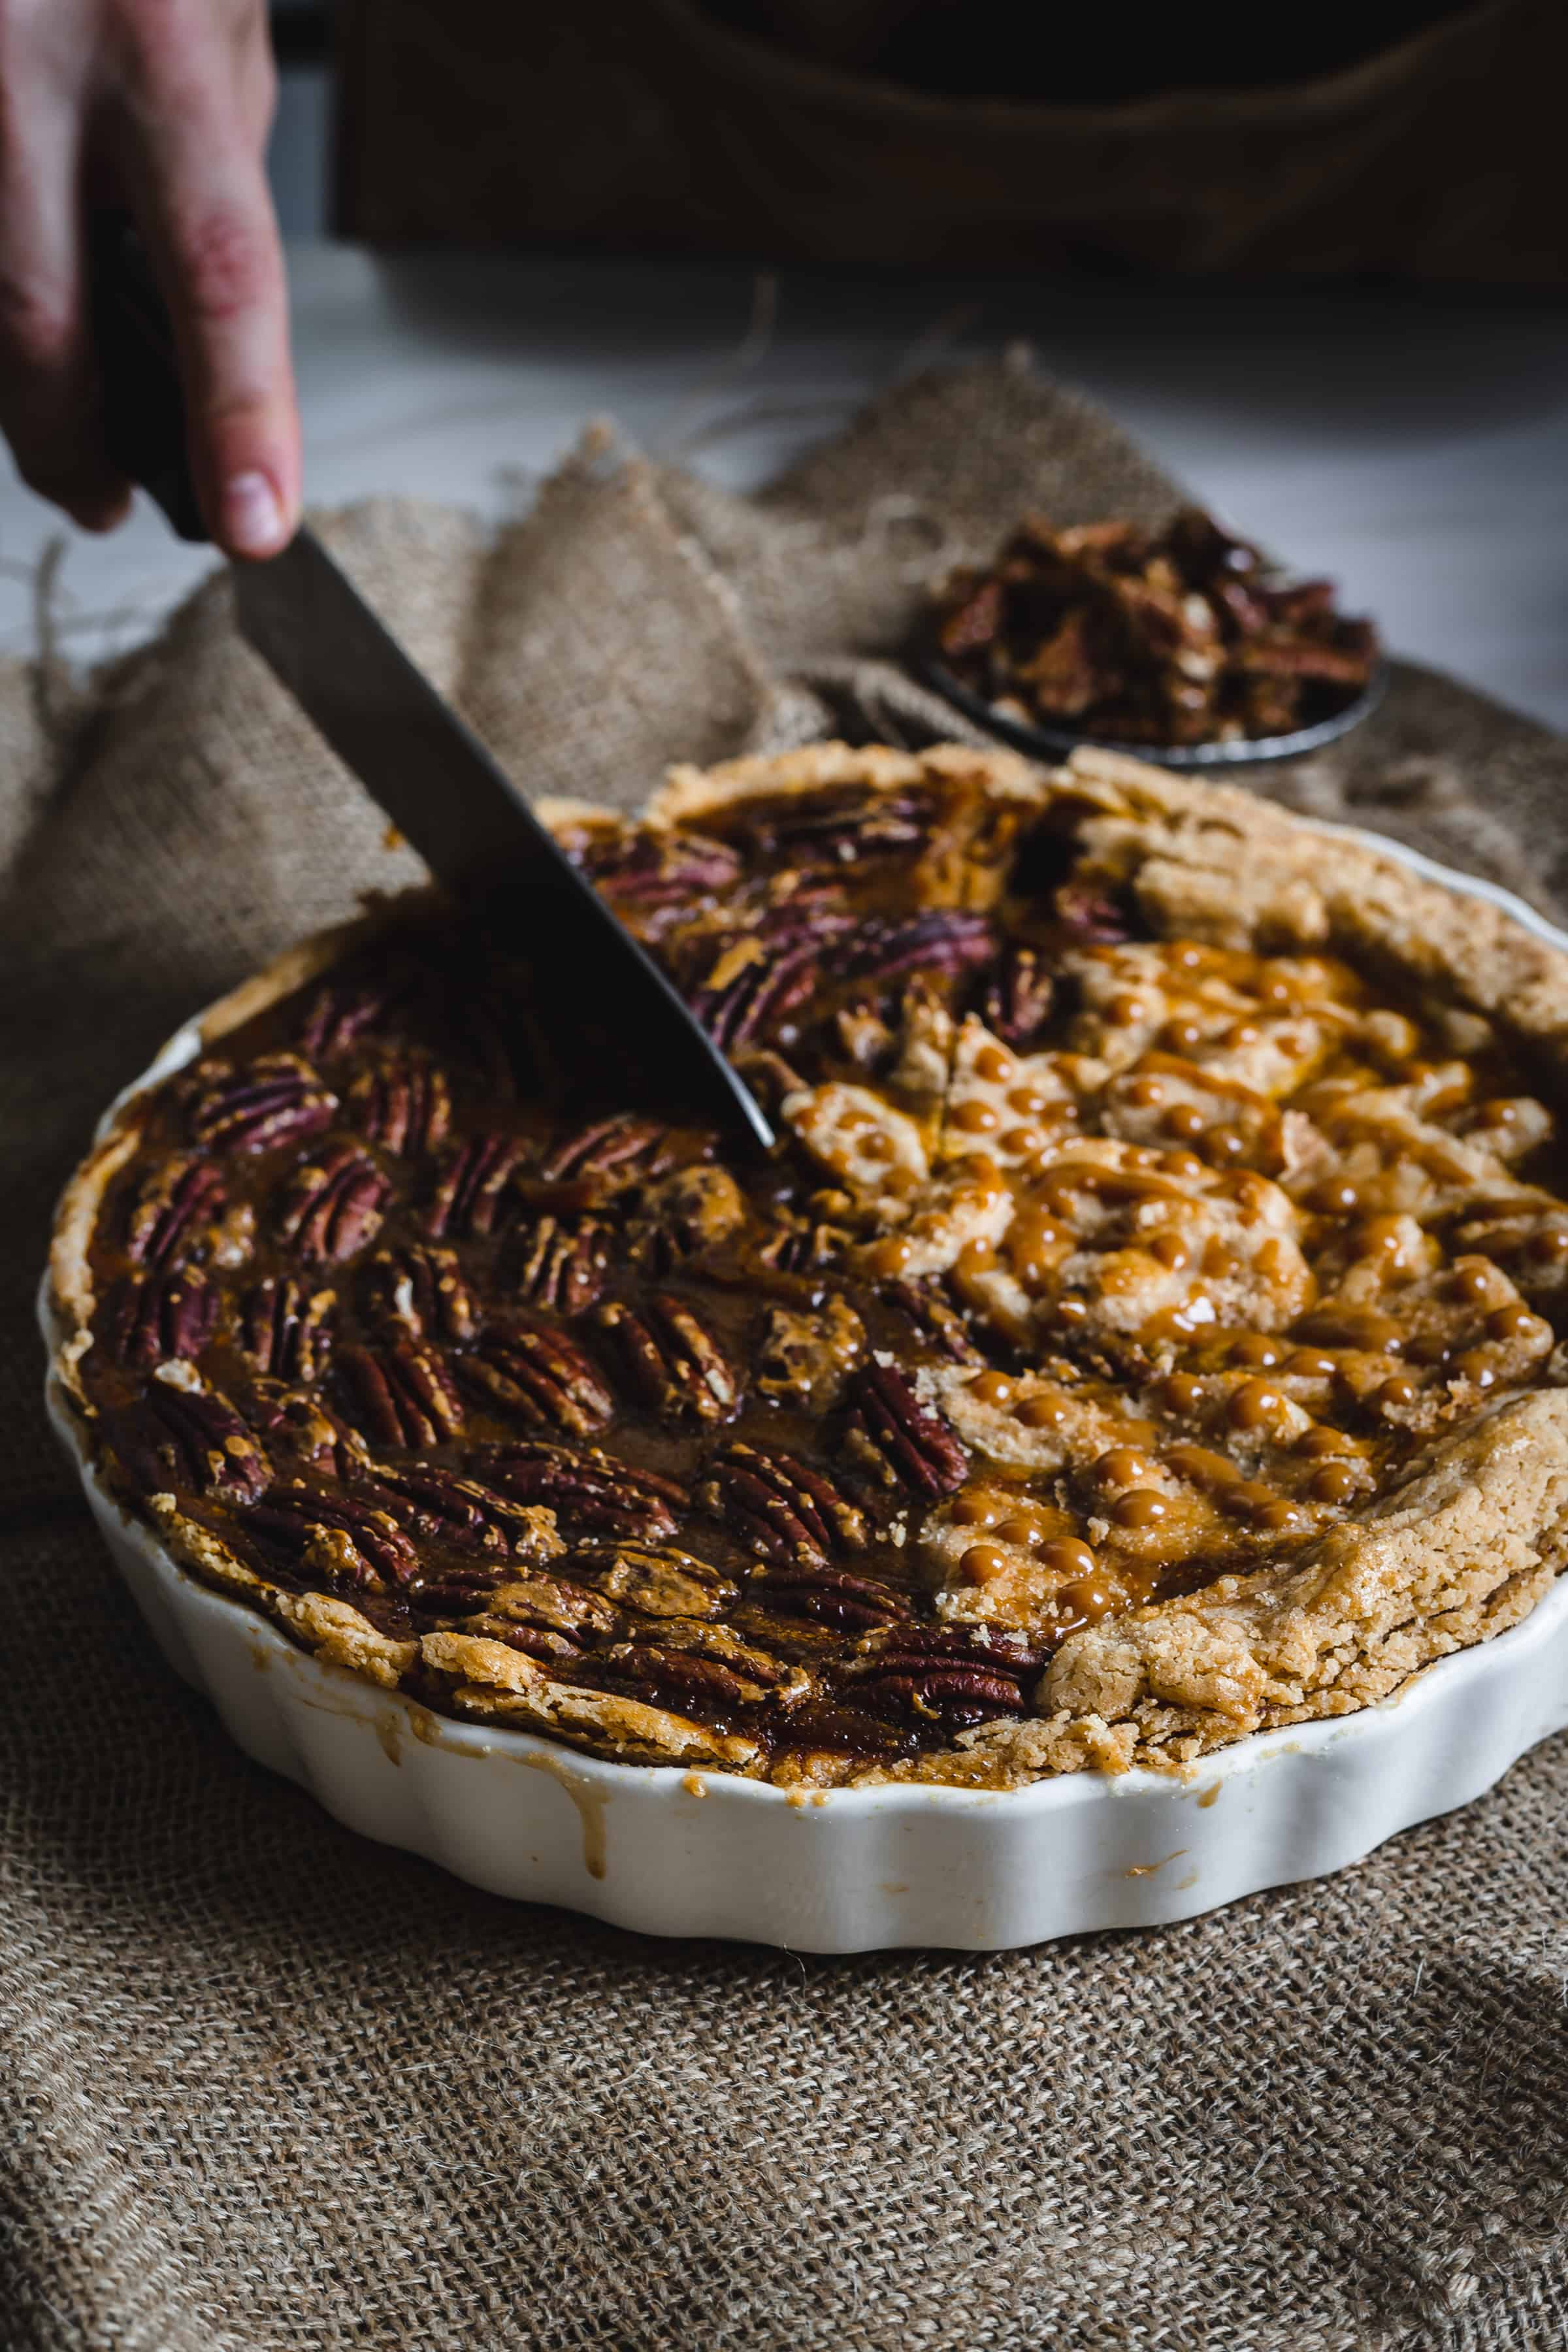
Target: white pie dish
(672, 1851)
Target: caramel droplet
(1254, 1404)
(1123, 1465)
(983, 1564)
(992, 1064)
(1141, 1508)
(1395, 1394)
(975, 1118)
(1334, 1482)
(993, 1388)
(1067, 1557)
(1045, 1411)
(972, 1509)
(1022, 1531)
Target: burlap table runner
(265, 2085)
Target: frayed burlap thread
(265, 2088)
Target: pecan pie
(1146, 1332)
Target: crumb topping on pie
(1145, 1331)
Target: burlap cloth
(265, 2085)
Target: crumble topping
(1119, 1283)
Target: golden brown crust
(1463, 1547)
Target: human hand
(161, 107)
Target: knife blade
(421, 763)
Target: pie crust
(1451, 1522)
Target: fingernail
(252, 517)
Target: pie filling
(1095, 1266)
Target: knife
(415, 757)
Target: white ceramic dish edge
(675, 1853)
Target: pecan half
(402, 1104)
(329, 1211)
(851, 827)
(658, 1580)
(563, 1261)
(339, 1014)
(276, 1100)
(683, 1679)
(421, 1291)
(828, 1596)
(585, 1487)
(669, 1361)
(402, 1394)
(540, 1376)
(470, 1193)
(622, 1150)
(951, 1679)
(1091, 916)
(937, 1321)
(448, 1508)
(906, 1443)
(1019, 996)
(345, 1539)
(648, 870)
(943, 939)
(285, 1328)
(786, 1510)
(180, 1211)
(754, 983)
(160, 1315)
(191, 1437)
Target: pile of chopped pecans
(1174, 637)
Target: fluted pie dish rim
(1192, 807)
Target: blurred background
(1319, 267)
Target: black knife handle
(143, 403)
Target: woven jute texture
(263, 2085)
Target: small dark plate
(1247, 752)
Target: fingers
(49, 408)
(195, 134)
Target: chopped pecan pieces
(562, 1262)
(470, 1196)
(585, 1487)
(1180, 636)
(906, 1443)
(330, 1210)
(786, 1510)
(422, 1291)
(669, 1359)
(276, 1100)
(286, 1328)
(402, 1394)
(402, 1104)
(300, 1428)
(158, 1316)
(538, 1375)
(184, 1436)
(693, 1210)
